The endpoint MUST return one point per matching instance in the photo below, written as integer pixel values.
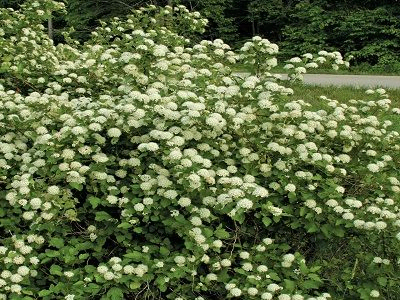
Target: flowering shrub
(136, 166)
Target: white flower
(230, 286)
(226, 262)
(340, 189)
(15, 288)
(112, 199)
(114, 132)
(211, 277)
(148, 201)
(170, 194)
(295, 60)
(152, 146)
(244, 255)
(196, 221)
(380, 225)
(217, 243)
(310, 203)
(69, 274)
(184, 202)
(34, 260)
(128, 269)
(100, 158)
(262, 268)
(247, 267)
(204, 213)
(273, 287)
(16, 278)
(138, 207)
(35, 203)
(235, 292)
(288, 257)
(160, 50)
(245, 203)
(267, 296)
(53, 190)
(109, 276)
(102, 269)
(373, 167)
(179, 260)
(290, 187)
(348, 216)
(252, 291)
(23, 270)
(374, 294)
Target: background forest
(368, 29)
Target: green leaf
(267, 221)
(124, 225)
(314, 277)
(83, 256)
(94, 201)
(155, 218)
(164, 251)
(303, 268)
(44, 293)
(76, 186)
(52, 253)
(290, 285)
(115, 294)
(27, 292)
(302, 211)
(309, 284)
(207, 232)
(134, 255)
(221, 233)
(138, 229)
(382, 281)
(101, 216)
(57, 242)
(292, 196)
(56, 270)
(326, 230)
(274, 276)
(135, 285)
(338, 231)
(312, 228)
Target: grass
(353, 70)
(344, 71)
(312, 93)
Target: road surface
(365, 81)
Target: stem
(50, 27)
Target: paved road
(365, 81)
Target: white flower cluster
(115, 270)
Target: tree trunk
(50, 28)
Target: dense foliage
(136, 166)
(368, 30)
